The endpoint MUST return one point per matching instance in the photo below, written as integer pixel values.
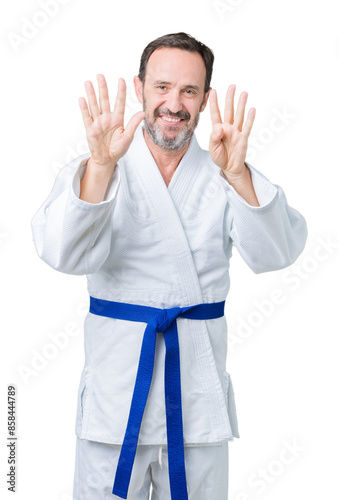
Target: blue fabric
(158, 320)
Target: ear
(138, 88)
(204, 102)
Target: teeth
(170, 119)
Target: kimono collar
(187, 169)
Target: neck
(167, 161)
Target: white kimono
(163, 247)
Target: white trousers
(95, 466)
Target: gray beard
(174, 143)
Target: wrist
(100, 171)
(238, 178)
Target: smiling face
(172, 95)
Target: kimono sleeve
(268, 237)
(71, 235)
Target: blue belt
(158, 320)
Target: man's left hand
(228, 141)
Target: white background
(284, 363)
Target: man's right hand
(107, 139)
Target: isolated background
(282, 357)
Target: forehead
(176, 66)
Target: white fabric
(161, 246)
(206, 469)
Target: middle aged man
(151, 219)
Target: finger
(229, 105)
(239, 115)
(214, 108)
(249, 122)
(103, 94)
(134, 123)
(92, 99)
(120, 100)
(86, 117)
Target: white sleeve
(72, 235)
(268, 237)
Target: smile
(170, 119)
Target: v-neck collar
(188, 167)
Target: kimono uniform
(163, 247)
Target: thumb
(216, 136)
(134, 123)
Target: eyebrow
(189, 86)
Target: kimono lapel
(183, 178)
(168, 202)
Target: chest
(157, 231)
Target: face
(172, 96)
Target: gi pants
(95, 466)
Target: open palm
(228, 140)
(107, 138)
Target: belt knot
(165, 318)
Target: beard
(158, 136)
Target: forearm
(243, 185)
(70, 235)
(270, 236)
(95, 180)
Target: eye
(190, 92)
(161, 87)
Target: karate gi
(163, 247)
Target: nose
(174, 102)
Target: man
(151, 218)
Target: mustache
(165, 111)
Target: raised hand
(228, 141)
(107, 138)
